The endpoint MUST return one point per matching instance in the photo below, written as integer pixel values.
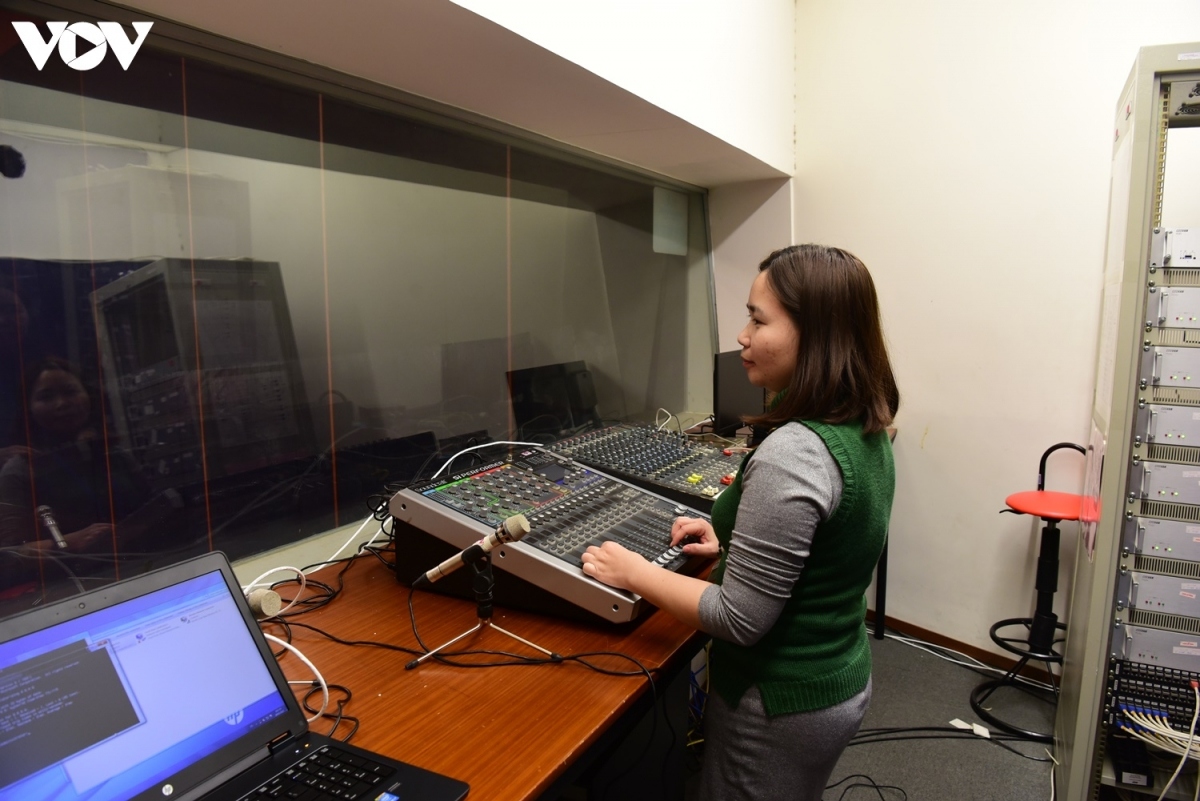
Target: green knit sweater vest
(817, 654)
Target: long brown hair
(842, 368)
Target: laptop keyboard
(327, 774)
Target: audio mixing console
(569, 507)
(663, 462)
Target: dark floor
(912, 689)
(916, 689)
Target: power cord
(340, 714)
(879, 788)
(897, 734)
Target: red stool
(1038, 634)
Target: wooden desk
(510, 732)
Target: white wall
(724, 65)
(748, 220)
(963, 151)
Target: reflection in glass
(232, 311)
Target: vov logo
(99, 35)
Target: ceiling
(440, 51)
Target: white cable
(484, 445)
(1052, 767)
(301, 575)
(247, 588)
(660, 427)
(716, 436)
(1158, 730)
(353, 536)
(312, 667)
(974, 663)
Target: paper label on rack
(1186, 651)
(1190, 595)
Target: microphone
(47, 517)
(511, 530)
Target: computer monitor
(733, 395)
(554, 399)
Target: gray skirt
(748, 755)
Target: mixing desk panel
(569, 507)
(663, 462)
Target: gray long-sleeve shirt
(789, 485)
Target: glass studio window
(232, 307)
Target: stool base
(1042, 653)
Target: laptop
(163, 686)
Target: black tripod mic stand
(483, 585)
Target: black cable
(328, 593)
(956, 734)
(603, 793)
(443, 657)
(341, 708)
(354, 643)
(287, 634)
(953, 657)
(879, 788)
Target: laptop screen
(111, 703)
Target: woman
(64, 469)
(798, 533)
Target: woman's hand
(613, 564)
(82, 540)
(86, 538)
(704, 539)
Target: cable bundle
(1155, 729)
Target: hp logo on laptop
(235, 718)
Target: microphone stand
(483, 584)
